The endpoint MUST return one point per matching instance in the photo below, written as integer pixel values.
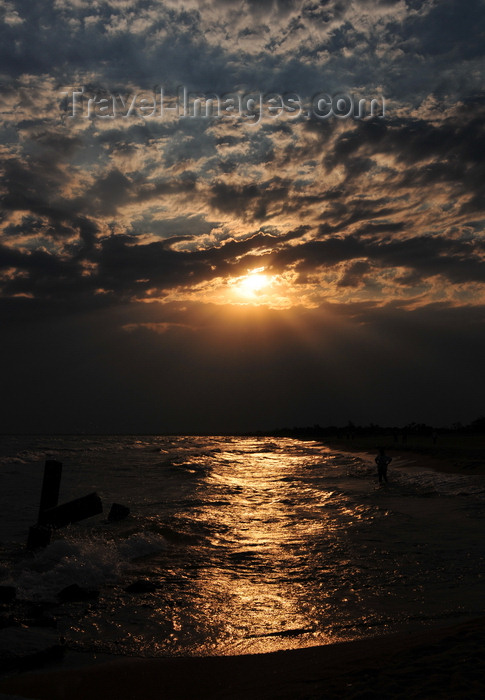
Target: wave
(91, 563)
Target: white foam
(89, 563)
(441, 484)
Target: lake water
(252, 544)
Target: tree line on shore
(351, 430)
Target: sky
(273, 257)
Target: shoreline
(445, 458)
(441, 662)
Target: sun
(252, 283)
(258, 287)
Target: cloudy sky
(163, 271)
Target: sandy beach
(444, 662)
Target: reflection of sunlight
(258, 591)
(261, 555)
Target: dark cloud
(356, 229)
(339, 44)
(251, 198)
(458, 261)
(118, 234)
(354, 274)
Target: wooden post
(72, 512)
(50, 485)
(51, 516)
(39, 535)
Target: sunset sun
(253, 282)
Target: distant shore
(451, 454)
(440, 662)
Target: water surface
(251, 544)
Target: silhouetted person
(382, 461)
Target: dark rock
(41, 621)
(33, 609)
(8, 621)
(141, 586)
(74, 593)
(7, 594)
(34, 615)
(118, 512)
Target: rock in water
(118, 512)
(75, 593)
(141, 586)
(7, 594)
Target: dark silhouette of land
(456, 448)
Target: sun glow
(258, 288)
(253, 282)
(255, 288)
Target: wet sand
(445, 662)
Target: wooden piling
(51, 516)
(50, 486)
(39, 536)
(72, 512)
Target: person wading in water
(382, 461)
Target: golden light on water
(255, 601)
(269, 545)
